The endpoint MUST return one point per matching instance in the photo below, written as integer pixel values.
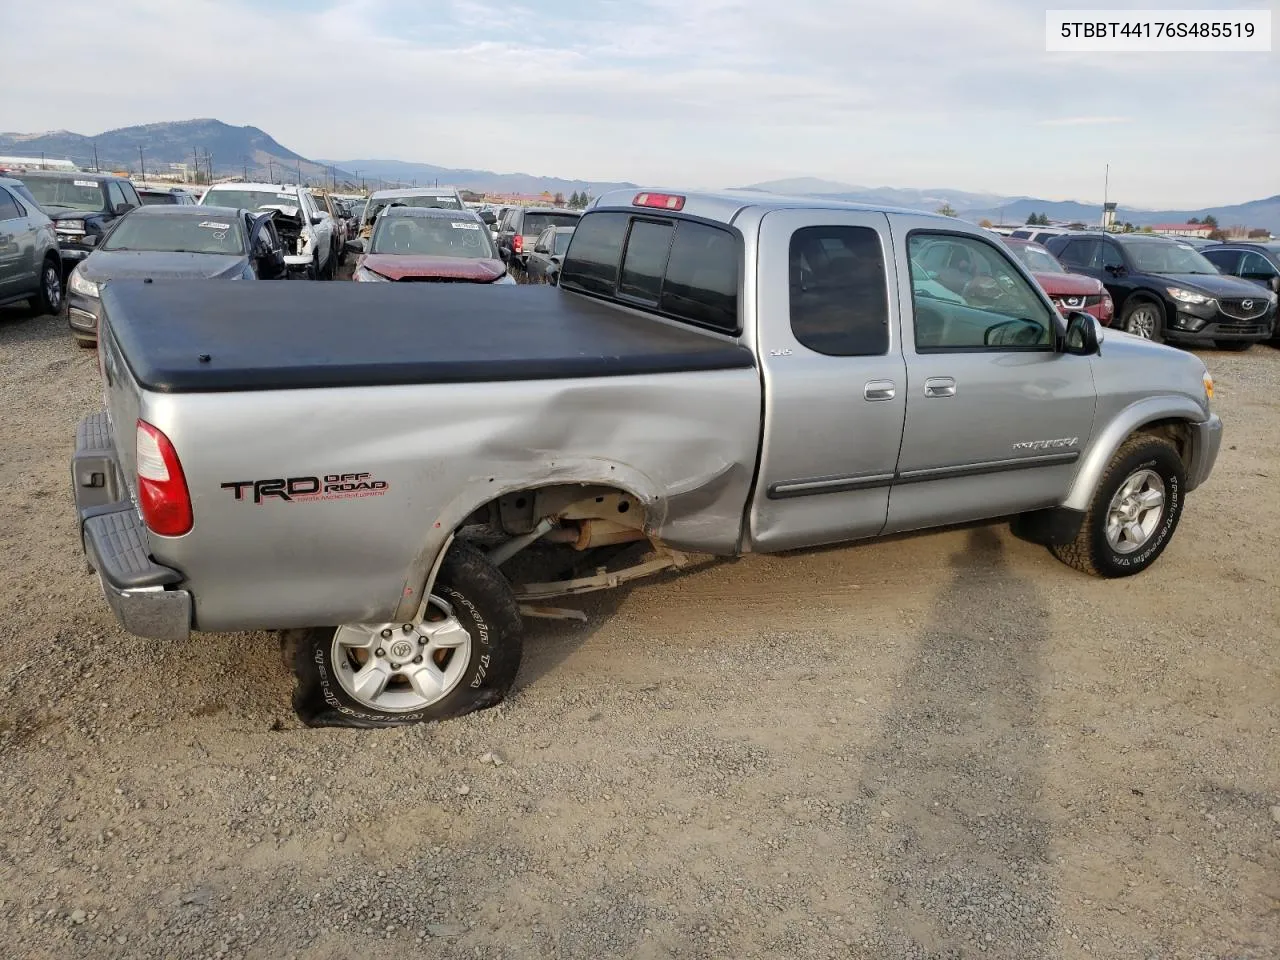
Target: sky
(956, 94)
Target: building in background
(36, 163)
(1183, 229)
(1108, 216)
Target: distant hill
(976, 206)
(481, 181)
(233, 149)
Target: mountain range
(232, 150)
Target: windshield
(176, 234)
(435, 201)
(535, 223)
(1158, 256)
(1036, 259)
(249, 199)
(57, 194)
(433, 237)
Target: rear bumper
(1204, 453)
(142, 594)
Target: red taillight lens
(162, 487)
(517, 243)
(663, 201)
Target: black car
(174, 241)
(83, 206)
(1259, 262)
(543, 262)
(521, 227)
(1165, 290)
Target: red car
(1068, 291)
(425, 243)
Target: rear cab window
(684, 269)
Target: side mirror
(488, 217)
(1082, 338)
(317, 220)
(120, 209)
(354, 246)
(1116, 270)
(557, 259)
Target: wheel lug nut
(386, 633)
(417, 659)
(407, 627)
(379, 652)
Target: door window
(966, 295)
(1111, 256)
(1078, 253)
(1254, 266)
(839, 293)
(130, 195)
(8, 206)
(1224, 260)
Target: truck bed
(278, 335)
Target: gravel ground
(938, 747)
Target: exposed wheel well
(1178, 432)
(517, 512)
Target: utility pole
(245, 161)
(297, 166)
(1106, 183)
(95, 156)
(142, 165)
(41, 159)
(271, 170)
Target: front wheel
(1134, 510)
(462, 656)
(1144, 319)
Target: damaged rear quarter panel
(684, 444)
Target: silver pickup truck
(393, 474)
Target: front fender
(480, 491)
(1108, 441)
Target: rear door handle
(940, 387)
(879, 390)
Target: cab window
(966, 295)
(839, 293)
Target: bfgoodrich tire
(462, 657)
(1134, 511)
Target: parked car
(306, 231)
(330, 207)
(1196, 243)
(1259, 262)
(520, 228)
(1068, 291)
(83, 206)
(173, 241)
(543, 262)
(420, 243)
(715, 373)
(152, 196)
(441, 198)
(30, 265)
(1165, 290)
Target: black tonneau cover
(280, 335)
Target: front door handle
(940, 387)
(879, 390)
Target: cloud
(703, 93)
(1082, 121)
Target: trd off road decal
(332, 486)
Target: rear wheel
(1134, 511)
(462, 656)
(1145, 319)
(49, 299)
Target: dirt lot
(945, 746)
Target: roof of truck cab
(725, 205)
(279, 336)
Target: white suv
(307, 231)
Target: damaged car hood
(395, 266)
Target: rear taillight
(162, 489)
(517, 243)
